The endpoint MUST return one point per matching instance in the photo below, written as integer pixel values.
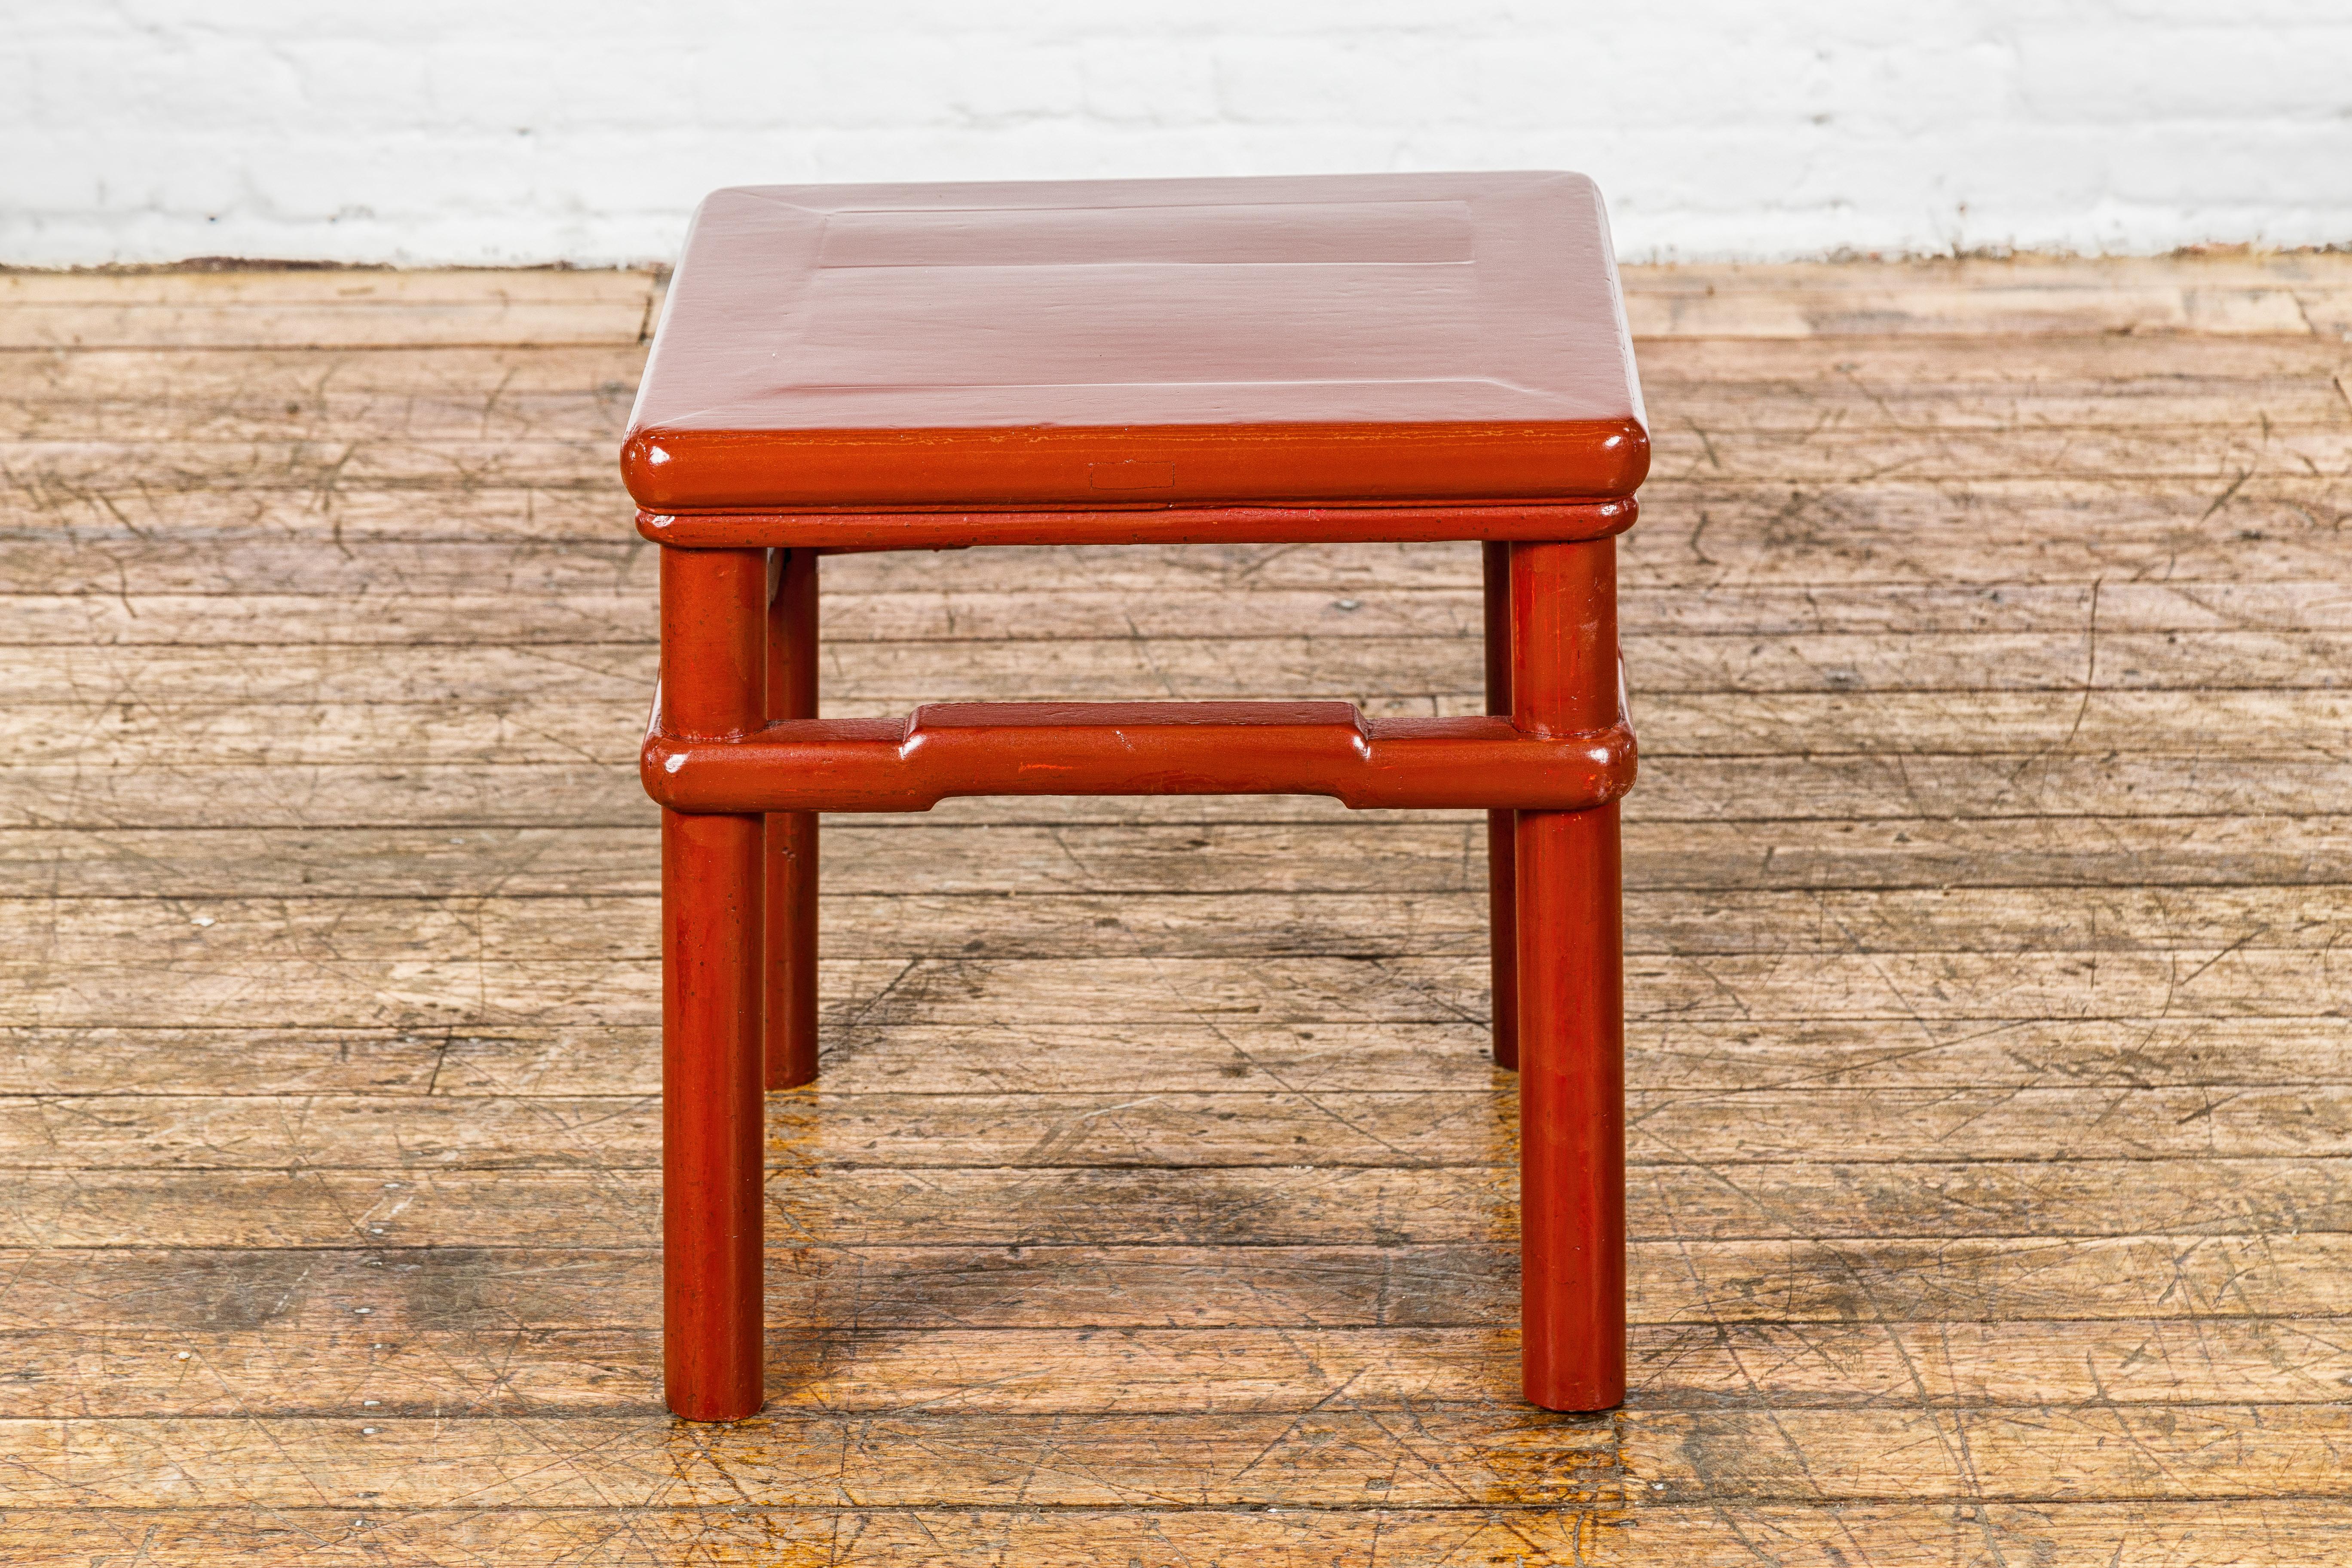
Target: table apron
(850, 532)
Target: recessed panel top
(1366, 339)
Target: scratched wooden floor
(1990, 874)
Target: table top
(1379, 339)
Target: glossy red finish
(1167, 525)
(1136, 747)
(1083, 343)
(1502, 872)
(901, 367)
(792, 836)
(1564, 676)
(1571, 1110)
(713, 604)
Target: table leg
(1571, 997)
(791, 850)
(1502, 874)
(712, 609)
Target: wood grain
(1651, 619)
(1142, 1371)
(2237, 1533)
(920, 1288)
(1422, 1128)
(1224, 1052)
(1990, 1194)
(1431, 1457)
(354, 308)
(851, 1200)
(982, 847)
(323, 923)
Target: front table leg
(1571, 997)
(713, 619)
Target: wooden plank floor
(1990, 880)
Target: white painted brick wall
(525, 130)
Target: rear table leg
(791, 853)
(1502, 874)
(1571, 997)
(712, 609)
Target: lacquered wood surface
(1076, 344)
(714, 662)
(958, 529)
(1502, 857)
(1569, 984)
(946, 749)
(1990, 1166)
(788, 1016)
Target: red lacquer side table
(923, 367)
